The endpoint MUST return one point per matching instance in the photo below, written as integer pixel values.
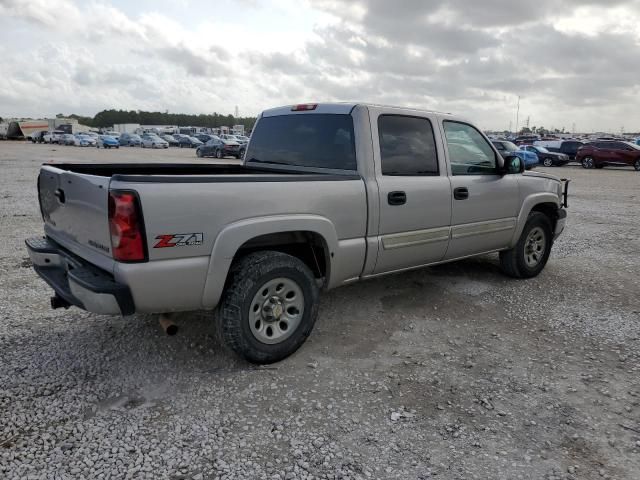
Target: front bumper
(77, 282)
(561, 223)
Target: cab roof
(343, 108)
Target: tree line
(107, 118)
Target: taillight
(304, 107)
(126, 227)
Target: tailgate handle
(59, 194)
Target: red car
(604, 153)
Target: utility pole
(517, 114)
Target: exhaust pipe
(59, 302)
(167, 324)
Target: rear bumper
(77, 282)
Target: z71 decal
(179, 240)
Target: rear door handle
(460, 193)
(397, 198)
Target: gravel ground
(454, 372)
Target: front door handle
(397, 198)
(461, 193)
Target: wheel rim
(276, 310)
(587, 162)
(548, 162)
(534, 247)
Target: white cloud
(578, 65)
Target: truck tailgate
(75, 210)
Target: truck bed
(196, 172)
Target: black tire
(514, 263)
(198, 153)
(548, 162)
(219, 154)
(636, 165)
(588, 162)
(247, 276)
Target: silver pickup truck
(328, 194)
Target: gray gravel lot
(454, 372)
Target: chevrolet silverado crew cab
(328, 194)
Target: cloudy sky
(572, 62)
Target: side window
(407, 146)
(469, 152)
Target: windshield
(542, 150)
(510, 147)
(308, 140)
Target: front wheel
(529, 257)
(198, 153)
(269, 306)
(636, 165)
(218, 153)
(547, 162)
(587, 162)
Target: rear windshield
(306, 140)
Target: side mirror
(513, 164)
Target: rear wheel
(269, 306)
(636, 165)
(529, 257)
(218, 153)
(587, 162)
(198, 153)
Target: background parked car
(66, 139)
(53, 137)
(568, 147)
(38, 137)
(153, 141)
(526, 139)
(609, 153)
(189, 142)
(219, 148)
(113, 134)
(506, 148)
(83, 140)
(107, 141)
(170, 139)
(130, 139)
(547, 158)
(204, 137)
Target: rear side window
(315, 140)
(407, 146)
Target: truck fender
(236, 234)
(527, 206)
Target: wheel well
(310, 247)
(550, 210)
